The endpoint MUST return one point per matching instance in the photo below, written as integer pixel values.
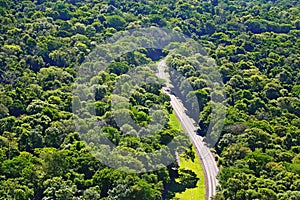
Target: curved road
(207, 158)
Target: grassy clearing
(174, 123)
(198, 192)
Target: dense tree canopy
(255, 45)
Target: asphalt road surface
(207, 158)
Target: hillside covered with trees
(256, 46)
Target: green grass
(197, 193)
(174, 123)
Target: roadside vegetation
(198, 192)
(189, 167)
(255, 45)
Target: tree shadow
(184, 179)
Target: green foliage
(118, 68)
(261, 25)
(57, 188)
(116, 22)
(255, 45)
(12, 189)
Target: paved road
(207, 158)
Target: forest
(43, 43)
